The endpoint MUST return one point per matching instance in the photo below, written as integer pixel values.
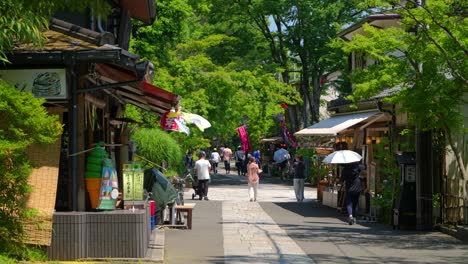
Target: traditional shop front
(87, 80)
(353, 130)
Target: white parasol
(342, 157)
(281, 155)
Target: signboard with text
(133, 179)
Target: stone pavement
(251, 235)
(277, 229)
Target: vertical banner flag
(244, 139)
(287, 135)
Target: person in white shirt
(202, 169)
(215, 160)
(227, 154)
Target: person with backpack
(350, 176)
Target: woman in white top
(215, 157)
(202, 169)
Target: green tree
(24, 122)
(298, 34)
(426, 59)
(220, 69)
(24, 21)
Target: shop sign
(133, 179)
(43, 83)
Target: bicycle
(179, 184)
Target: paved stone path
(229, 229)
(251, 236)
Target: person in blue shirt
(256, 155)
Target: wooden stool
(187, 208)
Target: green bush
(24, 122)
(158, 147)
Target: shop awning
(335, 124)
(141, 94)
(271, 140)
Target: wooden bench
(186, 208)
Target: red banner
(168, 123)
(244, 139)
(175, 123)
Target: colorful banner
(109, 189)
(173, 122)
(286, 135)
(244, 139)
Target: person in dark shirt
(350, 176)
(299, 178)
(239, 156)
(188, 160)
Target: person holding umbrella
(350, 176)
(281, 158)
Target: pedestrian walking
(350, 176)
(239, 156)
(202, 169)
(253, 178)
(215, 160)
(221, 153)
(281, 157)
(188, 160)
(227, 154)
(299, 178)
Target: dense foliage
(298, 34)
(218, 70)
(158, 147)
(424, 61)
(24, 20)
(24, 122)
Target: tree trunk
(315, 99)
(459, 159)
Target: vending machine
(404, 210)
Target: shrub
(24, 121)
(158, 147)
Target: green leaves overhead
(23, 21)
(221, 67)
(24, 120)
(425, 61)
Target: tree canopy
(218, 70)
(24, 20)
(425, 60)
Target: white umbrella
(342, 157)
(280, 155)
